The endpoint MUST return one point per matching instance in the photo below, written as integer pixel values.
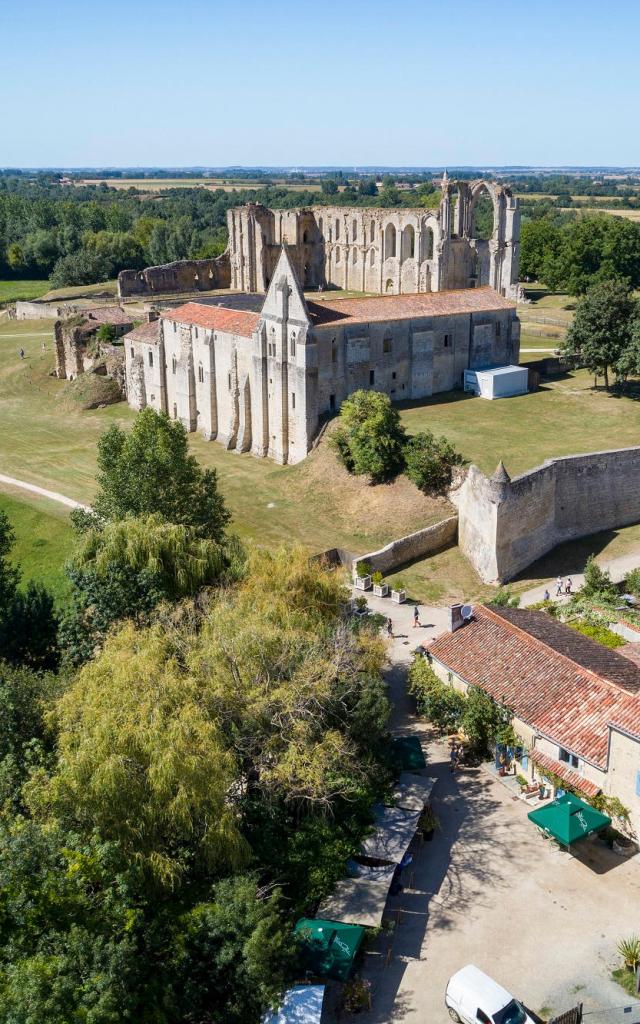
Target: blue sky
(350, 83)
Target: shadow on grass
(567, 559)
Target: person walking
(389, 628)
(22, 353)
(569, 585)
(547, 595)
(416, 616)
(559, 582)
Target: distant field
(226, 184)
(13, 291)
(628, 214)
(44, 538)
(109, 288)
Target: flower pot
(398, 596)
(380, 589)
(363, 583)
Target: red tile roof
(571, 777)
(546, 688)
(107, 315)
(147, 332)
(407, 307)
(216, 318)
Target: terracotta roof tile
(107, 315)
(147, 332)
(571, 777)
(216, 318)
(546, 688)
(406, 307)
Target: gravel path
(52, 495)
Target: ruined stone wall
(181, 276)
(414, 545)
(505, 525)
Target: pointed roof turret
(501, 476)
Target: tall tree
(149, 470)
(601, 329)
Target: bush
(598, 582)
(429, 461)
(632, 582)
(441, 704)
(505, 598)
(597, 632)
(370, 438)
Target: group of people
(563, 588)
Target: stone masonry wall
(181, 276)
(505, 525)
(414, 545)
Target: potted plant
(361, 608)
(428, 823)
(380, 588)
(399, 592)
(629, 950)
(363, 576)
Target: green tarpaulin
(407, 752)
(328, 948)
(568, 818)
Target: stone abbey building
(366, 249)
(259, 372)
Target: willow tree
(141, 758)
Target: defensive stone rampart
(181, 276)
(506, 524)
(414, 545)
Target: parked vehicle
(472, 997)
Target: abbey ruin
(258, 374)
(366, 249)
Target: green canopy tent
(568, 819)
(407, 753)
(328, 948)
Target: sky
(293, 83)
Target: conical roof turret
(501, 476)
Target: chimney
(455, 620)
(152, 315)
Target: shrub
(632, 582)
(597, 632)
(505, 598)
(441, 704)
(629, 950)
(370, 438)
(363, 569)
(429, 461)
(598, 582)
(377, 578)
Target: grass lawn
(48, 442)
(80, 291)
(12, 291)
(44, 538)
(564, 416)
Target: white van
(472, 997)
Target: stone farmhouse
(259, 373)
(575, 703)
(381, 251)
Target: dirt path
(52, 495)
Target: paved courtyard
(490, 890)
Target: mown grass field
(44, 538)
(226, 184)
(13, 291)
(48, 442)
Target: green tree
(429, 461)
(141, 759)
(106, 333)
(505, 598)
(441, 704)
(482, 720)
(149, 470)
(598, 582)
(370, 438)
(539, 242)
(329, 187)
(28, 623)
(601, 329)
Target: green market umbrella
(328, 948)
(407, 752)
(568, 819)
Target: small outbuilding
(497, 381)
